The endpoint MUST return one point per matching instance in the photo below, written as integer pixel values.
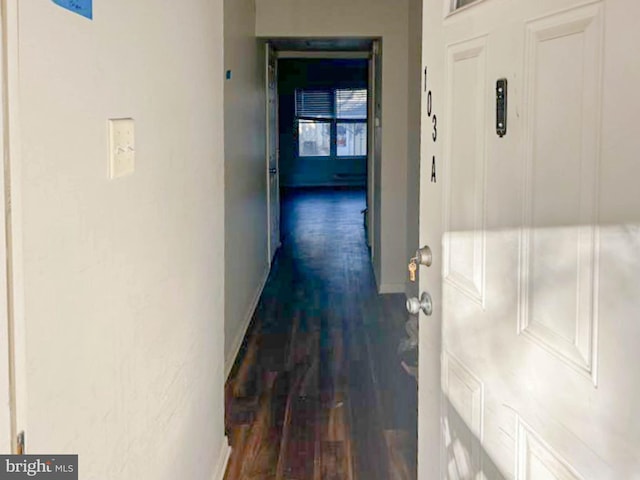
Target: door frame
(12, 351)
(271, 55)
(431, 195)
(373, 114)
(374, 57)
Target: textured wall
(123, 279)
(245, 172)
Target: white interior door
(536, 241)
(273, 174)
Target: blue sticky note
(81, 7)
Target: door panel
(562, 117)
(464, 174)
(537, 295)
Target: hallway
(317, 391)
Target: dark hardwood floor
(318, 391)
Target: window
(315, 138)
(462, 3)
(352, 139)
(351, 136)
(332, 122)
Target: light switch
(122, 147)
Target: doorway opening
(318, 390)
(323, 127)
(323, 111)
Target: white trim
(374, 70)
(267, 151)
(7, 399)
(237, 341)
(392, 288)
(13, 222)
(223, 459)
(270, 55)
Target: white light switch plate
(122, 147)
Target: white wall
(124, 279)
(245, 172)
(415, 76)
(365, 18)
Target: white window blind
(314, 104)
(331, 122)
(343, 104)
(351, 104)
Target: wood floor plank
(398, 443)
(297, 448)
(257, 443)
(245, 381)
(238, 439)
(318, 391)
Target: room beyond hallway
(317, 391)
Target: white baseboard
(237, 341)
(223, 458)
(391, 288)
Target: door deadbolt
(424, 304)
(424, 256)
